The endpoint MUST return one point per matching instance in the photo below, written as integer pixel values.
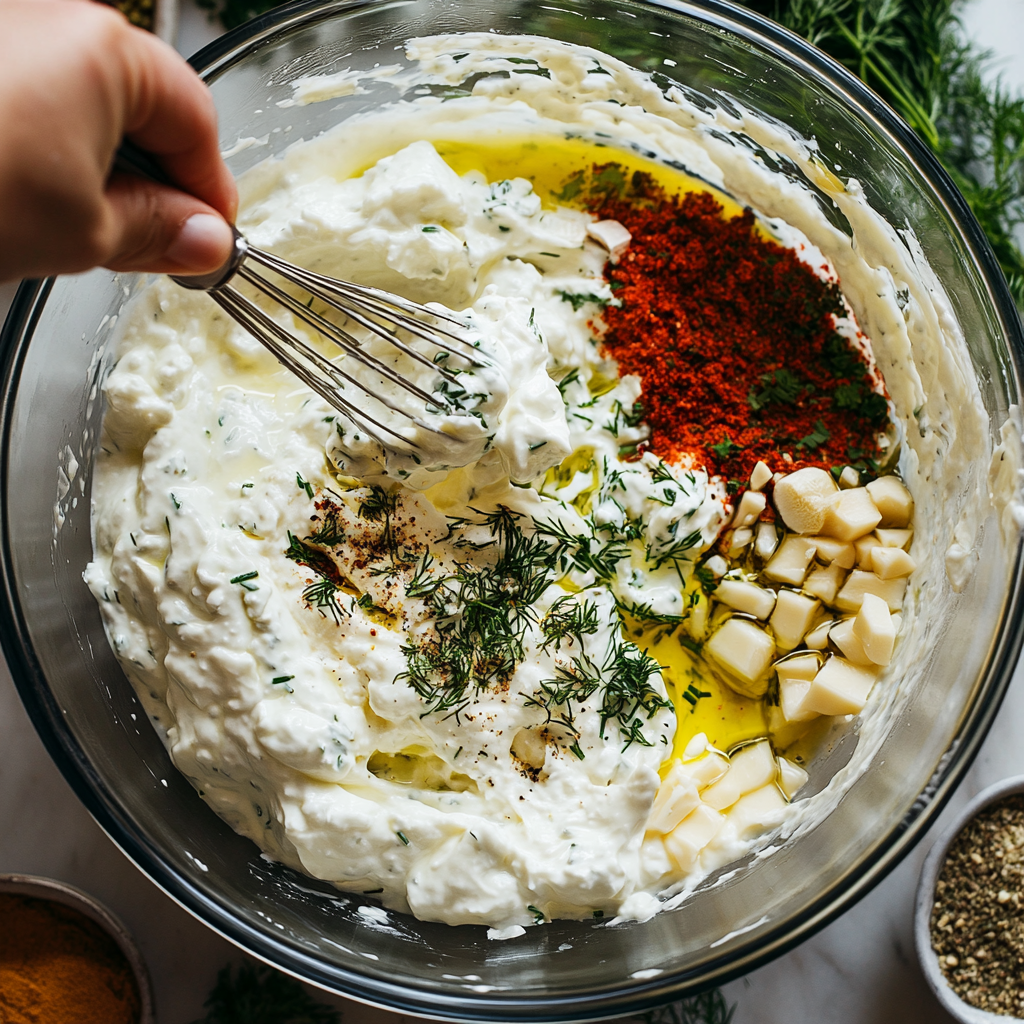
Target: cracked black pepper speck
(977, 922)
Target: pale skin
(76, 78)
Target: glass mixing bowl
(54, 358)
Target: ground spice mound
(733, 336)
(977, 922)
(58, 967)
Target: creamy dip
(307, 616)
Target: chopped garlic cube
(840, 688)
(832, 551)
(745, 651)
(844, 637)
(759, 476)
(851, 514)
(750, 768)
(798, 666)
(859, 583)
(757, 811)
(891, 563)
(792, 778)
(615, 237)
(894, 538)
(676, 798)
(790, 562)
(802, 498)
(864, 546)
(684, 843)
(849, 478)
(893, 501)
(749, 509)
(739, 540)
(793, 700)
(717, 566)
(766, 541)
(874, 627)
(817, 638)
(696, 746)
(792, 618)
(706, 769)
(746, 597)
(824, 582)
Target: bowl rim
(930, 871)
(56, 891)
(633, 995)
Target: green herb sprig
(260, 995)
(915, 55)
(707, 1008)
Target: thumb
(151, 228)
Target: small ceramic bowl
(61, 892)
(952, 1003)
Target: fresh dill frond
(628, 695)
(423, 582)
(321, 594)
(568, 618)
(706, 1008)
(254, 994)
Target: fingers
(155, 229)
(170, 113)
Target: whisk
(381, 313)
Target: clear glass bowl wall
(55, 355)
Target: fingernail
(203, 243)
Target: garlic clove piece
(802, 498)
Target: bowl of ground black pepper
(66, 959)
(969, 922)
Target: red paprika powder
(734, 338)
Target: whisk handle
(132, 160)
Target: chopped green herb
(304, 485)
(726, 448)
(402, 836)
(814, 439)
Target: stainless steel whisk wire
(378, 312)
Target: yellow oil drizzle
(550, 160)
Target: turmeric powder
(59, 967)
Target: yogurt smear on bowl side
(557, 675)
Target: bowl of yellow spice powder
(66, 959)
(969, 923)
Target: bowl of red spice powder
(66, 959)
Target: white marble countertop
(862, 969)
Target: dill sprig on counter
(260, 995)
(914, 54)
(706, 1008)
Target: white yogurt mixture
(307, 618)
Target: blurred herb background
(915, 54)
(255, 994)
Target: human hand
(75, 78)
